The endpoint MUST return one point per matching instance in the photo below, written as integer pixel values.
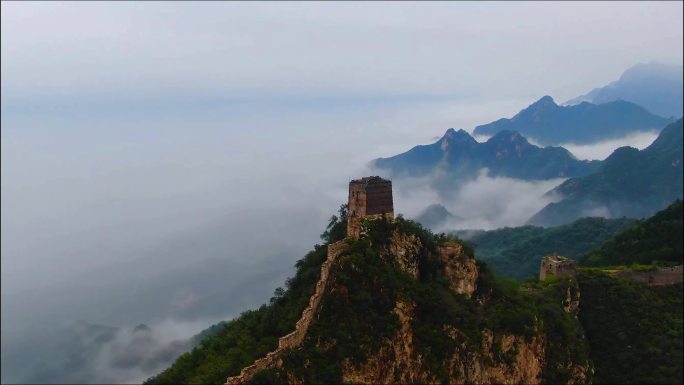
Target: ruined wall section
(555, 265)
(294, 339)
(662, 276)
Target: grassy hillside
(357, 317)
(250, 336)
(634, 331)
(654, 240)
(517, 251)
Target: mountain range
(400, 304)
(507, 154)
(655, 86)
(629, 183)
(550, 124)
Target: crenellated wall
(295, 338)
(555, 265)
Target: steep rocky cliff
(459, 269)
(398, 362)
(404, 306)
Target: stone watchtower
(369, 197)
(557, 266)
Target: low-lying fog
(193, 218)
(187, 216)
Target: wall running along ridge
(295, 338)
(662, 276)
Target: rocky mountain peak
(453, 134)
(544, 101)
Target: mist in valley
(196, 223)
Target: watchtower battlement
(369, 197)
(557, 266)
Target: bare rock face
(459, 268)
(502, 359)
(572, 298)
(394, 362)
(405, 249)
(523, 363)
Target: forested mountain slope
(628, 183)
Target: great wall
(661, 276)
(295, 338)
(369, 197)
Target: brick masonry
(368, 197)
(555, 265)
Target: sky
(165, 54)
(169, 162)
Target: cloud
(597, 212)
(120, 51)
(493, 202)
(82, 352)
(601, 150)
(194, 214)
(483, 203)
(132, 356)
(413, 195)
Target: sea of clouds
(197, 217)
